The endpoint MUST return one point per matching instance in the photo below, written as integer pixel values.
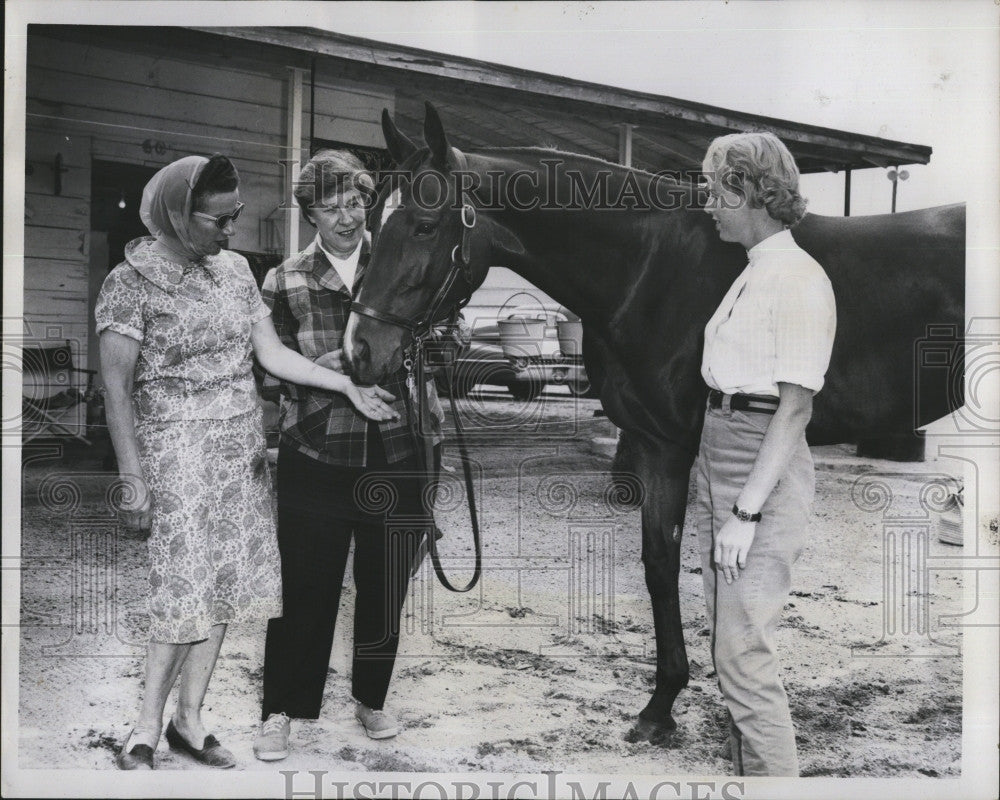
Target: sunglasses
(222, 221)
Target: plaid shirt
(309, 306)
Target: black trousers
(321, 508)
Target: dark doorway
(115, 194)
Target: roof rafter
(554, 92)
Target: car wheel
(525, 390)
(582, 388)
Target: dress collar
(163, 272)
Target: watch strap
(745, 516)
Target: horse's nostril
(360, 359)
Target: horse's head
(425, 257)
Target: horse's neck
(588, 259)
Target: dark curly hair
(218, 176)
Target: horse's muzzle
(360, 362)
(367, 371)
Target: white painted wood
(64, 244)
(625, 144)
(41, 147)
(169, 105)
(48, 275)
(68, 308)
(293, 151)
(49, 211)
(157, 72)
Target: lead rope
(416, 383)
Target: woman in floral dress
(179, 321)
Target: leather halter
(420, 327)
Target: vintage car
(521, 351)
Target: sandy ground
(543, 665)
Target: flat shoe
(139, 757)
(211, 753)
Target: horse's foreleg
(662, 524)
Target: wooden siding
(494, 91)
(56, 238)
(90, 102)
(116, 102)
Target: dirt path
(545, 664)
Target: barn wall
(144, 105)
(56, 243)
(147, 106)
(346, 111)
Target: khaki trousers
(743, 615)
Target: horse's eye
(424, 228)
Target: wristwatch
(745, 516)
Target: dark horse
(645, 279)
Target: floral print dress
(213, 548)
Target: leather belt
(756, 403)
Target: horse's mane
(538, 153)
(541, 152)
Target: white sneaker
(950, 520)
(377, 724)
(271, 743)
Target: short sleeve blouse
(193, 325)
(775, 325)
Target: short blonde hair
(759, 168)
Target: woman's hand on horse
(372, 401)
(732, 544)
(333, 360)
(136, 510)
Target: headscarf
(166, 204)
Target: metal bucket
(521, 338)
(570, 338)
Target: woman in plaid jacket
(340, 477)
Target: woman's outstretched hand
(372, 401)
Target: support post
(625, 144)
(293, 149)
(847, 192)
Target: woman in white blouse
(767, 348)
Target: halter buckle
(468, 216)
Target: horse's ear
(399, 146)
(435, 137)
(506, 240)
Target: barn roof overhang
(486, 104)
